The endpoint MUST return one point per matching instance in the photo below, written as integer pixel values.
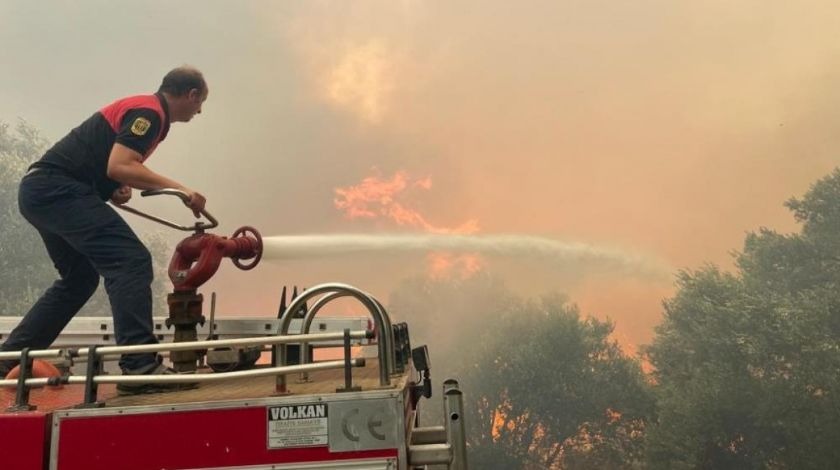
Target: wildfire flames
(381, 198)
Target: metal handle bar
(186, 199)
(185, 378)
(380, 319)
(218, 343)
(191, 345)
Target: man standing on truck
(64, 196)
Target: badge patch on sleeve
(140, 126)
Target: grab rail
(96, 354)
(380, 318)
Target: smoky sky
(668, 128)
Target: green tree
(553, 391)
(25, 268)
(543, 387)
(747, 364)
(22, 262)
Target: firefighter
(64, 196)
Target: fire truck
(253, 396)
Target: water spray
(564, 254)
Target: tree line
(745, 365)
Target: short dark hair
(179, 81)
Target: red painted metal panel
(23, 440)
(181, 440)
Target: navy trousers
(86, 239)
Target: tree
(553, 391)
(747, 364)
(21, 261)
(543, 387)
(25, 268)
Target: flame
(377, 197)
(500, 419)
(444, 265)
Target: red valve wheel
(243, 232)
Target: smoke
(670, 127)
(568, 257)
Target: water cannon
(195, 261)
(197, 257)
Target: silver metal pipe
(456, 436)
(450, 384)
(429, 454)
(144, 348)
(185, 346)
(191, 378)
(37, 354)
(320, 303)
(428, 435)
(316, 307)
(385, 342)
(389, 333)
(307, 324)
(153, 192)
(265, 348)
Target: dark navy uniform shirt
(138, 122)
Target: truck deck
(352, 412)
(324, 382)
